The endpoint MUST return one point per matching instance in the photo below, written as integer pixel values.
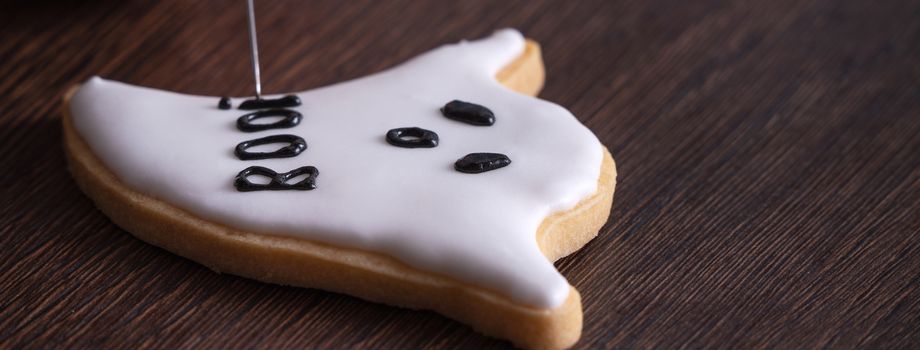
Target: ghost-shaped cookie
(390, 223)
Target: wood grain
(768, 151)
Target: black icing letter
(291, 119)
(296, 144)
(278, 181)
(262, 103)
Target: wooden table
(768, 151)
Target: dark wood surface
(768, 155)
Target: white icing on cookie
(407, 203)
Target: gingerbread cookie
(438, 184)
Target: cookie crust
(368, 275)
